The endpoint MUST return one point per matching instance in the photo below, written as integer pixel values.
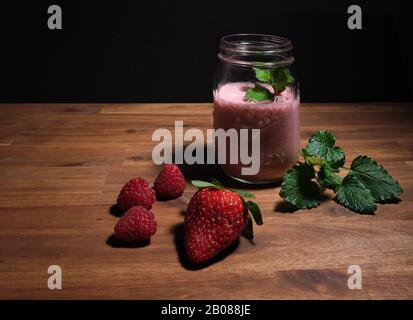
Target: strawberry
(215, 218)
(136, 192)
(170, 182)
(137, 224)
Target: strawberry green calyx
(254, 212)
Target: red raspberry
(136, 193)
(170, 183)
(137, 224)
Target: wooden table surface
(62, 165)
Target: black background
(165, 51)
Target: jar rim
(274, 50)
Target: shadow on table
(116, 243)
(284, 207)
(115, 211)
(392, 201)
(207, 172)
(178, 232)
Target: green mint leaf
(279, 79)
(258, 93)
(353, 195)
(255, 212)
(298, 188)
(282, 78)
(321, 144)
(248, 231)
(328, 178)
(283, 74)
(278, 87)
(381, 184)
(263, 75)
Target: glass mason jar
(255, 89)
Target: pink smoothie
(278, 120)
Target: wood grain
(61, 166)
